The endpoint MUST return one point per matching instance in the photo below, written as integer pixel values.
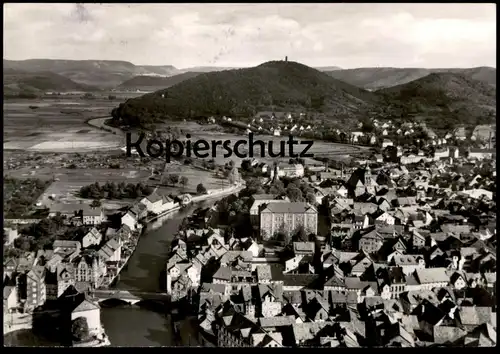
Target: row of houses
(152, 206)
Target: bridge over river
(132, 297)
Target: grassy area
(194, 175)
(68, 182)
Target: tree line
(112, 190)
(174, 179)
(295, 189)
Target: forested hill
(243, 92)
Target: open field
(68, 182)
(195, 176)
(58, 124)
(319, 148)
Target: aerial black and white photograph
(249, 175)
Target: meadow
(195, 176)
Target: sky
(242, 35)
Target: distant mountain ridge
(379, 78)
(99, 73)
(16, 82)
(441, 99)
(105, 73)
(112, 73)
(207, 69)
(328, 68)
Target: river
(133, 325)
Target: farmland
(57, 124)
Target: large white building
(287, 217)
(258, 200)
(11, 234)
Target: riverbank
(19, 328)
(93, 344)
(101, 341)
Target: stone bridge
(132, 297)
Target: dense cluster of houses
(78, 214)
(407, 262)
(37, 277)
(408, 156)
(382, 130)
(89, 262)
(292, 123)
(408, 257)
(43, 280)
